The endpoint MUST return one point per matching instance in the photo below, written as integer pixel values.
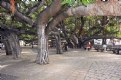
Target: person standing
(88, 46)
(105, 47)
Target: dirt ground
(75, 64)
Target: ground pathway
(75, 64)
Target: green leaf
(86, 2)
(70, 2)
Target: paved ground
(72, 65)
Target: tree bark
(58, 44)
(65, 35)
(7, 47)
(15, 46)
(75, 41)
(12, 45)
(99, 8)
(81, 27)
(42, 20)
(42, 56)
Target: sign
(98, 41)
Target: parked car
(116, 49)
(99, 48)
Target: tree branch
(4, 27)
(35, 7)
(97, 9)
(17, 13)
(50, 11)
(55, 22)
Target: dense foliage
(72, 2)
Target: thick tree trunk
(16, 46)
(58, 44)
(80, 43)
(81, 27)
(75, 41)
(12, 45)
(7, 47)
(42, 56)
(42, 20)
(65, 35)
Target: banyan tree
(53, 13)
